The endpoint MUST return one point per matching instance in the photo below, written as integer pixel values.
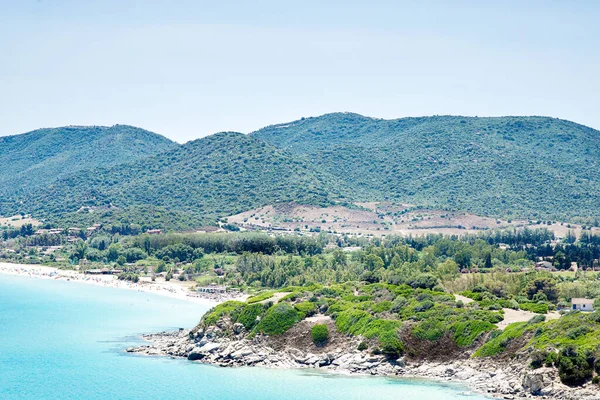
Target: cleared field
(379, 219)
(17, 221)
(571, 274)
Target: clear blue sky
(187, 69)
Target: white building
(582, 304)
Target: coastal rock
(200, 353)
(228, 351)
(213, 332)
(254, 358)
(466, 373)
(533, 382)
(210, 347)
(325, 360)
(246, 351)
(508, 380)
(342, 360)
(238, 328)
(196, 355)
(311, 359)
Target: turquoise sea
(65, 340)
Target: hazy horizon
(187, 69)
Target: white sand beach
(173, 289)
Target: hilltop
(528, 167)
(37, 158)
(508, 168)
(201, 180)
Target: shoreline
(165, 289)
(497, 379)
(489, 377)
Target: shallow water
(65, 340)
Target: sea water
(66, 340)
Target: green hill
(532, 167)
(38, 158)
(202, 180)
(535, 167)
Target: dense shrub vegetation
(63, 151)
(199, 180)
(320, 334)
(570, 343)
(490, 166)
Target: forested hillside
(202, 180)
(38, 158)
(533, 167)
(511, 167)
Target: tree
(547, 286)
(339, 258)
(134, 254)
(369, 276)
(80, 249)
(114, 251)
(423, 281)
(447, 270)
(373, 262)
(147, 247)
(488, 261)
(574, 368)
(571, 238)
(560, 260)
(26, 230)
(160, 267)
(463, 259)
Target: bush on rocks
(278, 319)
(320, 334)
(306, 308)
(574, 368)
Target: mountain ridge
(206, 178)
(511, 167)
(46, 154)
(501, 166)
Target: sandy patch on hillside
(275, 298)
(464, 299)
(512, 316)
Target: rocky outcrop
(537, 380)
(508, 380)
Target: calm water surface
(65, 340)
